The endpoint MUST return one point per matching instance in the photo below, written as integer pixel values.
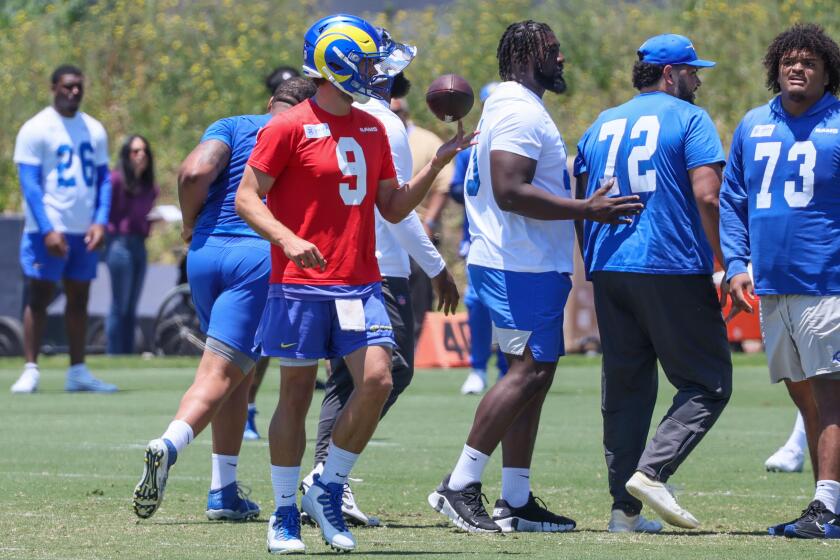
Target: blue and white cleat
(251, 433)
(322, 502)
(148, 494)
(231, 503)
(284, 531)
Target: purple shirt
(129, 212)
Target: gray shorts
(801, 336)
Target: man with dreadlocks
(780, 210)
(520, 209)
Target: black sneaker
(533, 517)
(813, 522)
(463, 507)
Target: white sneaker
(310, 478)
(322, 502)
(659, 498)
(474, 383)
(79, 378)
(351, 510)
(783, 460)
(28, 381)
(620, 522)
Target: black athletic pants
(677, 320)
(395, 292)
(422, 297)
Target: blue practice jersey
(649, 144)
(218, 215)
(780, 201)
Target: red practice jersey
(327, 170)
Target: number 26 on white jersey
(614, 132)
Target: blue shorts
(307, 326)
(228, 278)
(79, 264)
(526, 309)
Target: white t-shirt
(515, 120)
(68, 150)
(393, 240)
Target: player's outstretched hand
(611, 209)
(741, 291)
(446, 292)
(304, 254)
(95, 236)
(56, 244)
(455, 144)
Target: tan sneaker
(620, 522)
(658, 497)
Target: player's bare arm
(705, 183)
(250, 207)
(197, 173)
(580, 194)
(511, 176)
(395, 201)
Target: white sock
(223, 470)
(284, 480)
(482, 373)
(468, 469)
(516, 486)
(828, 492)
(179, 433)
(31, 369)
(338, 465)
(798, 441)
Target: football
(450, 97)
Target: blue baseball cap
(671, 49)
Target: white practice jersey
(515, 120)
(393, 240)
(68, 151)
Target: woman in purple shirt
(134, 194)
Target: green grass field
(70, 462)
